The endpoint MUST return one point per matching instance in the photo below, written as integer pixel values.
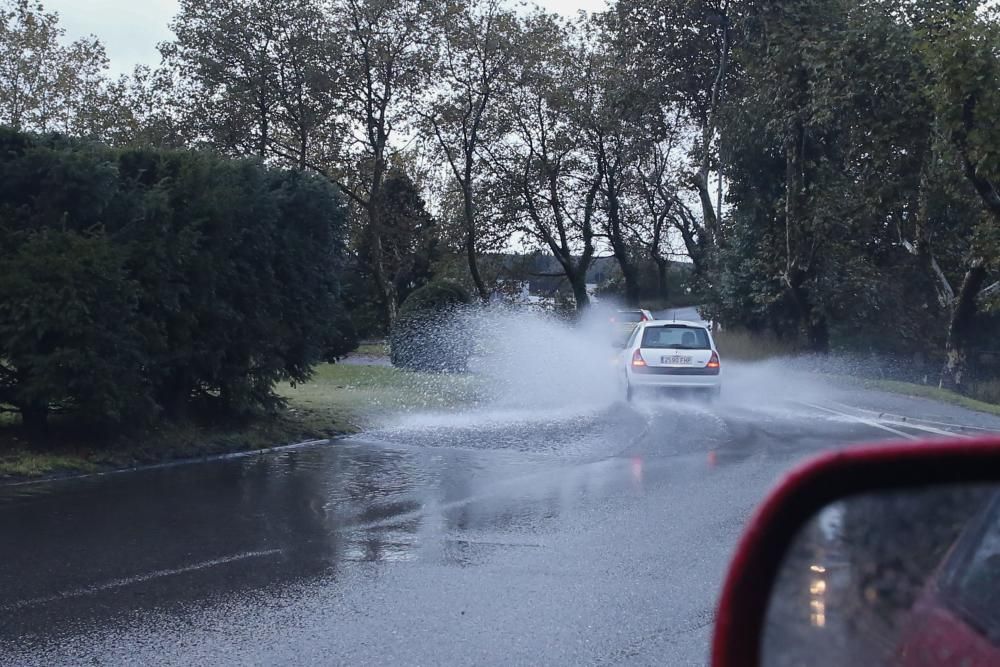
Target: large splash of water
(531, 367)
(536, 361)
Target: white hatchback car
(665, 354)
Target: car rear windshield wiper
(678, 346)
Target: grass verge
(355, 396)
(340, 399)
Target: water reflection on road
(549, 526)
(297, 513)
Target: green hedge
(134, 284)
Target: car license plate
(675, 359)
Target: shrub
(424, 336)
(738, 344)
(143, 281)
(987, 391)
(67, 335)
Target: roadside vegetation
(355, 396)
(339, 399)
(179, 243)
(744, 346)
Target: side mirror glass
(904, 577)
(888, 555)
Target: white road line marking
(927, 429)
(862, 420)
(919, 424)
(127, 581)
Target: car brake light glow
(714, 361)
(637, 359)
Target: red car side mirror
(886, 554)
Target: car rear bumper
(649, 380)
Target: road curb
(171, 464)
(887, 421)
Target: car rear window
(629, 317)
(676, 337)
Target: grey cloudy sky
(131, 29)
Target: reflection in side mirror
(879, 555)
(908, 577)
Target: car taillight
(637, 359)
(714, 361)
(644, 319)
(612, 320)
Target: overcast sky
(131, 29)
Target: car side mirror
(881, 555)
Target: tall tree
(45, 84)
(961, 50)
(553, 186)
(224, 54)
(683, 50)
(606, 113)
(387, 56)
(779, 115)
(478, 47)
(316, 85)
(629, 130)
(257, 76)
(658, 206)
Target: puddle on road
(318, 506)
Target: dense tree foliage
(852, 140)
(138, 282)
(411, 247)
(45, 83)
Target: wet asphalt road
(577, 536)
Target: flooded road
(572, 536)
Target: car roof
(680, 323)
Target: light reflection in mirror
(897, 578)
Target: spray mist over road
(531, 369)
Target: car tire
(629, 391)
